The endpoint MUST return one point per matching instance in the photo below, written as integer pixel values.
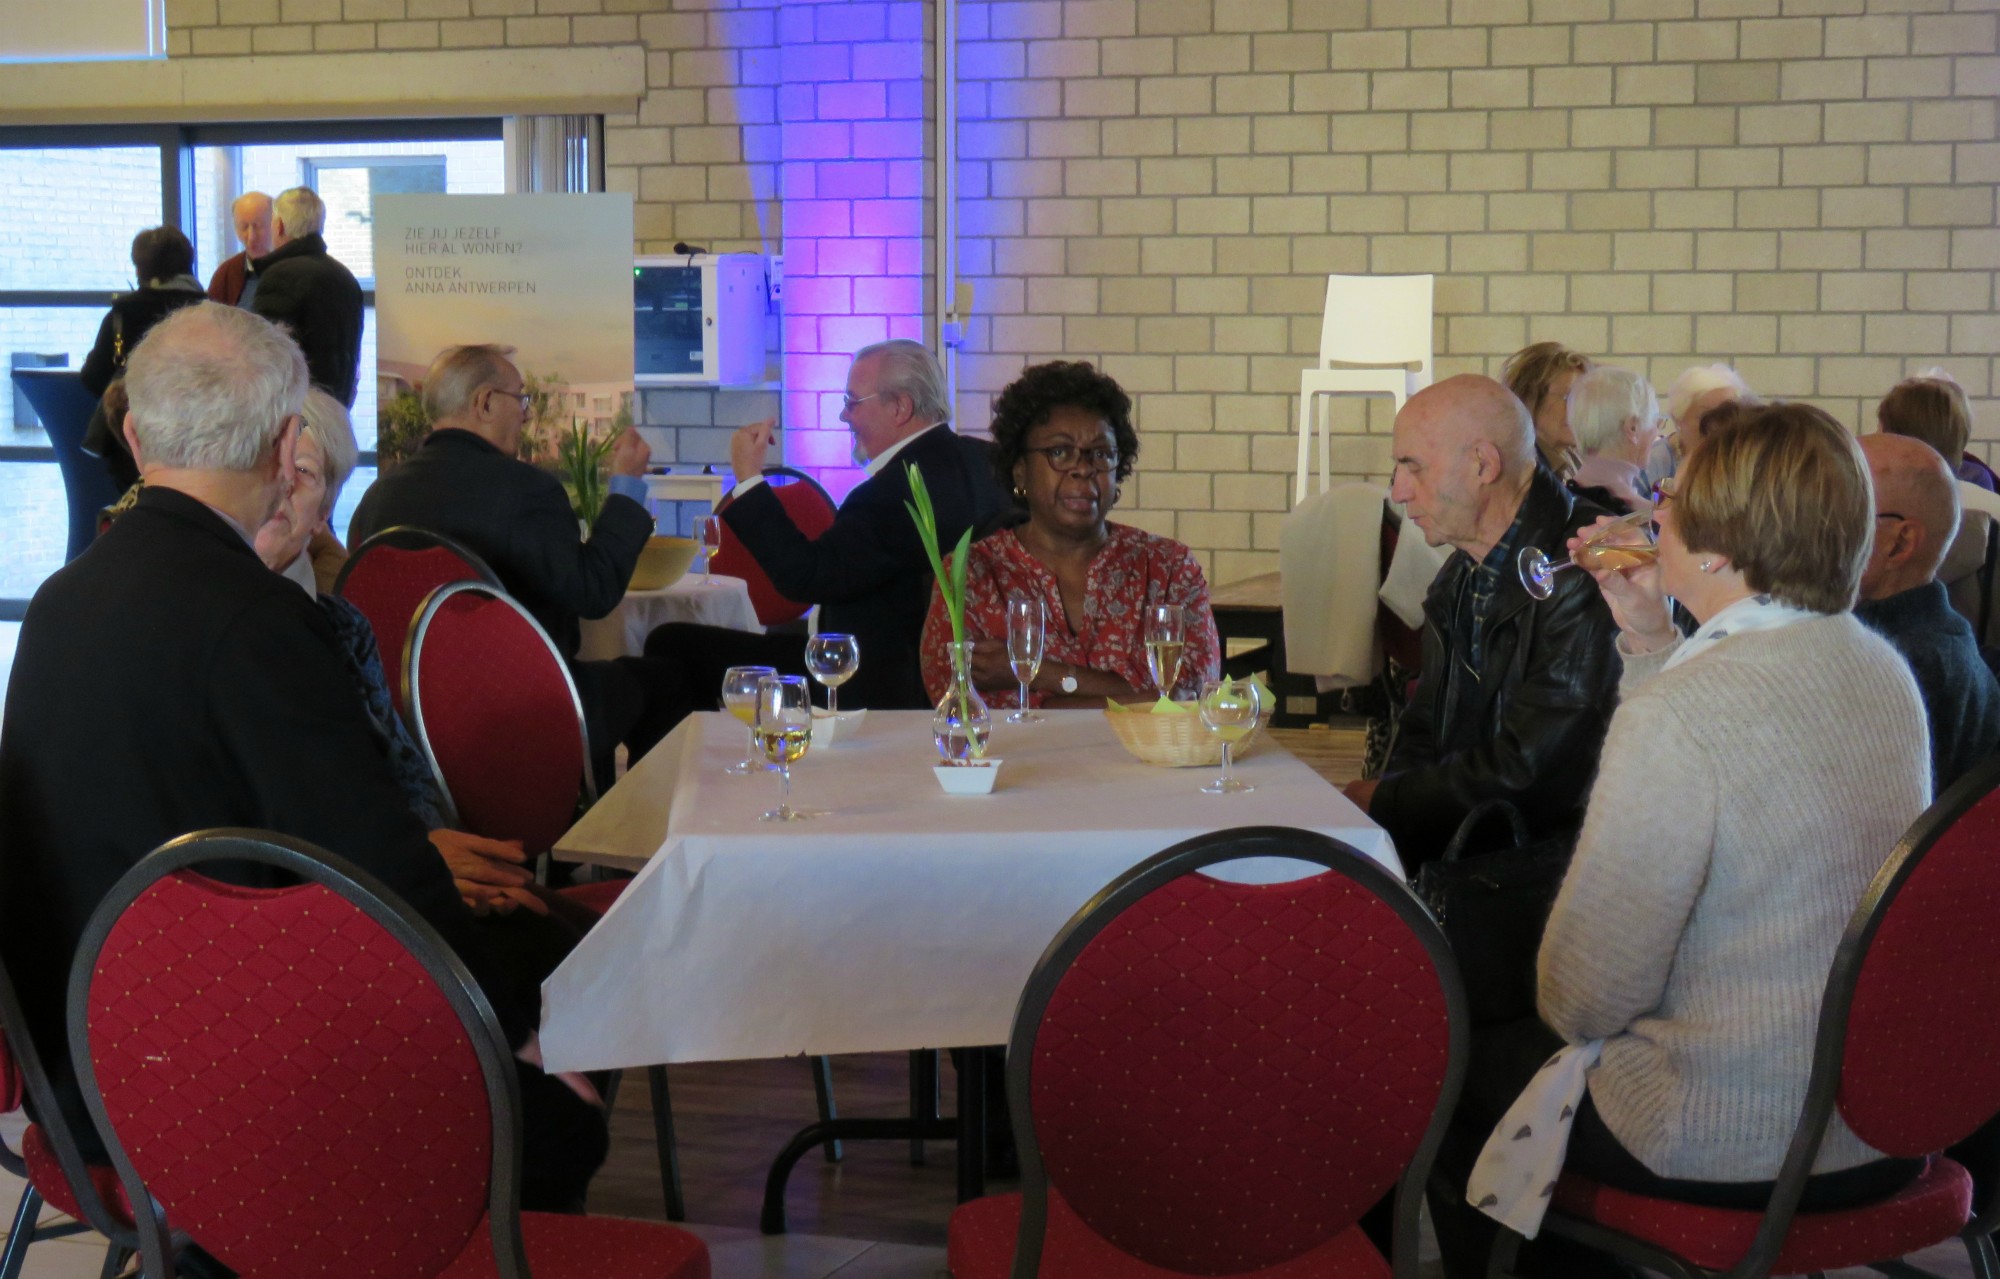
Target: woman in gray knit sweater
(1755, 778)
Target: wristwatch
(1069, 680)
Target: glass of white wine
(1538, 572)
(833, 658)
(1230, 708)
(1166, 641)
(1027, 635)
(711, 542)
(739, 698)
(783, 732)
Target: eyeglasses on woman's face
(1062, 457)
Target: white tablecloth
(720, 601)
(905, 918)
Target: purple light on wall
(851, 147)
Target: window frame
(176, 144)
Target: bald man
(1916, 517)
(251, 215)
(1516, 692)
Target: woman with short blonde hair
(1614, 416)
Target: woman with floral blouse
(1062, 442)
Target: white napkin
(1516, 1172)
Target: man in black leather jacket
(1516, 693)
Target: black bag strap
(1477, 819)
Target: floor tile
(896, 1261)
(749, 1255)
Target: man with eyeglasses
(1916, 517)
(867, 572)
(466, 483)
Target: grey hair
(326, 421)
(458, 373)
(910, 370)
(1698, 381)
(210, 385)
(302, 212)
(1602, 400)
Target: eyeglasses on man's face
(521, 398)
(849, 403)
(1062, 457)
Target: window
(72, 199)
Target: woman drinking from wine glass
(1755, 777)
(1062, 443)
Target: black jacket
(519, 520)
(1527, 726)
(1961, 697)
(130, 316)
(868, 572)
(167, 682)
(319, 300)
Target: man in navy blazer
(867, 572)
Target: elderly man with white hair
(302, 287)
(250, 214)
(1615, 417)
(1695, 392)
(166, 681)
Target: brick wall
(1805, 187)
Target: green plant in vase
(961, 725)
(580, 459)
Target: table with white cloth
(711, 600)
(901, 918)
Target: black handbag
(1493, 905)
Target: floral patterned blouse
(1135, 569)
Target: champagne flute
(739, 698)
(1230, 709)
(1027, 633)
(711, 542)
(833, 658)
(1166, 641)
(1538, 571)
(783, 733)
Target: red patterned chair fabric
(46, 1176)
(293, 1030)
(1917, 1063)
(494, 707)
(388, 578)
(13, 1086)
(811, 509)
(1224, 1079)
(1927, 1212)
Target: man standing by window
(233, 283)
(308, 292)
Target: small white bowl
(975, 778)
(829, 728)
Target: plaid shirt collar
(1488, 576)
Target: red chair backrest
(13, 1087)
(293, 1030)
(388, 578)
(1920, 1065)
(493, 705)
(811, 509)
(1225, 1076)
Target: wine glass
(833, 658)
(1027, 631)
(1538, 572)
(1166, 641)
(739, 698)
(783, 733)
(1230, 709)
(711, 542)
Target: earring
(1020, 494)
(1117, 491)
(1708, 566)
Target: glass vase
(962, 724)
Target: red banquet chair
(1907, 1052)
(325, 1038)
(811, 509)
(493, 706)
(389, 576)
(49, 1161)
(1217, 1078)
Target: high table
(902, 918)
(696, 597)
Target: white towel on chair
(1412, 569)
(1329, 565)
(1516, 1173)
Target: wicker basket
(1173, 741)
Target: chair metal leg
(822, 1073)
(115, 1260)
(663, 1138)
(925, 1071)
(1985, 1260)
(21, 1234)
